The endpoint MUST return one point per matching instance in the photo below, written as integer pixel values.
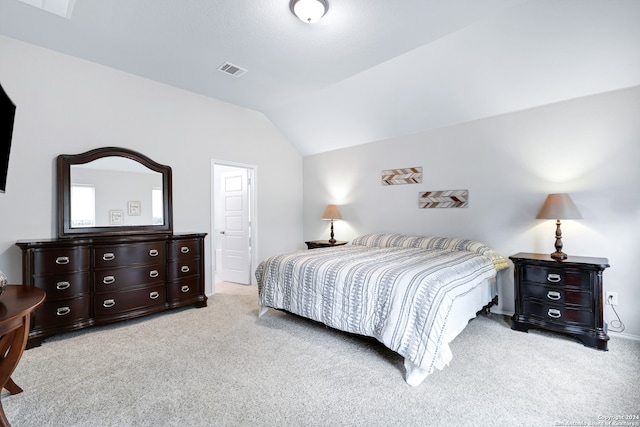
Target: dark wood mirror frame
(64, 163)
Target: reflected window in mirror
(156, 206)
(83, 205)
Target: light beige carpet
(221, 365)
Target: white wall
(66, 106)
(589, 147)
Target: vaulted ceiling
(369, 70)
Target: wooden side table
(560, 296)
(315, 244)
(16, 305)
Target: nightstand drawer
(558, 313)
(558, 295)
(556, 276)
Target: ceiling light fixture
(309, 11)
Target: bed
(414, 294)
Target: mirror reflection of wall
(115, 184)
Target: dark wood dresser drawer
(178, 269)
(556, 276)
(182, 289)
(125, 255)
(65, 285)
(558, 313)
(52, 261)
(111, 279)
(115, 303)
(182, 249)
(61, 312)
(558, 295)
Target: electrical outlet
(612, 298)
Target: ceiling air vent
(233, 70)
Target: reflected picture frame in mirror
(132, 183)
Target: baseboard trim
(623, 335)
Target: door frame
(252, 175)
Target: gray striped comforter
(398, 294)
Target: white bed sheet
(464, 309)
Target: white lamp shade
(331, 212)
(309, 11)
(559, 206)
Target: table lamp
(559, 206)
(331, 213)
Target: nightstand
(561, 296)
(315, 244)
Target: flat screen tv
(7, 114)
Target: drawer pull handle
(109, 256)
(108, 280)
(553, 295)
(62, 260)
(153, 252)
(184, 289)
(184, 249)
(61, 311)
(554, 277)
(554, 312)
(154, 273)
(154, 295)
(108, 303)
(184, 268)
(61, 286)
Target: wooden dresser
(100, 280)
(561, 296)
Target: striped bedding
(398, 289)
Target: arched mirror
(113, 191)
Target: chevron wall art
(444, 199)
(402, 176)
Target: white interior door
(236, 227)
